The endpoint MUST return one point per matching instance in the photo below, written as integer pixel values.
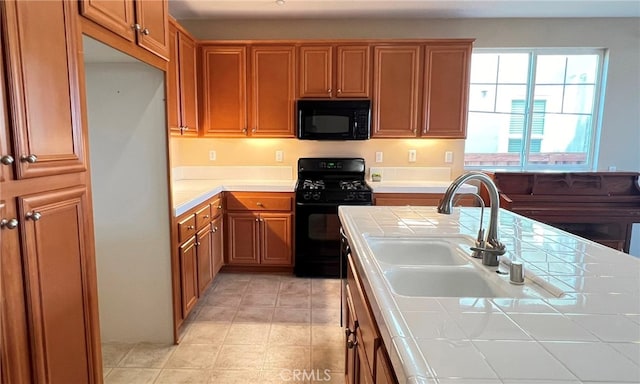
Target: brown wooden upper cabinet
(142, 22)
(421, 90)
(328, 71)
(182, 98)
(248, 90)
(396, 90)
(446, 90)
(46, 130)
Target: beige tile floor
(248, 328)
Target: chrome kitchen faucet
(488, 247)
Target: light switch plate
(412, 155)
(279, 156)
(212, 155)
(378, 157)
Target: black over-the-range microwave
(334, 119)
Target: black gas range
(324, 184)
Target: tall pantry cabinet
(50, 331)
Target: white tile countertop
(187, 194)
(586, 329)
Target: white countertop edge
(186, 206)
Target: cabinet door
(60, 280)
(353, 75)
(364, 372)
(350, 346)
(174, 108)
(188, 276)
(272, 91)
(204, 258)
(188, 87)
(384, 370)
(153, 16)
(217, 250)
(42, 53)
(115, 15)
(446, 89)
(224, 100)
(396, 83)
(6, 156)
(316, 71)
(242, 238)
(275, 237)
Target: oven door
(317, 240)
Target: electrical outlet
(612, 168)
(412, 155)
(378, 157)
(279, 156)
(212, 155)
(448, 157)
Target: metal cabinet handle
(348, 332)
(35, 216)
(136, 27)
(219, 206)
(259, 204)
(7, 160)
(339, 90)
(254, 130)
(352, 343)
(244, 130)
(145, 32)
(29, 158)
(197, 243)
(190, 227)
(257, 220)
(215, 229)
(205, 216)
(9, 224)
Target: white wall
(620, 137)
(128, 154)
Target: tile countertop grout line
(623, 368)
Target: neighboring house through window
(534, 109)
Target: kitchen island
(580, 324)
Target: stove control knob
(316, 196)
(307, 196)
(350, 196)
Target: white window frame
(598, 105)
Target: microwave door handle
(299, 123)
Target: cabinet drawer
(216, 207)
(237, 202)
(203, 216)
(186, 228)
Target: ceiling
(243, 9)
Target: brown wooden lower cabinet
(205, 259)
(217, 249)
(188, 276)
(420, 199)
(60, 284)
(198, 255)
(366, 359)
(259, 229)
